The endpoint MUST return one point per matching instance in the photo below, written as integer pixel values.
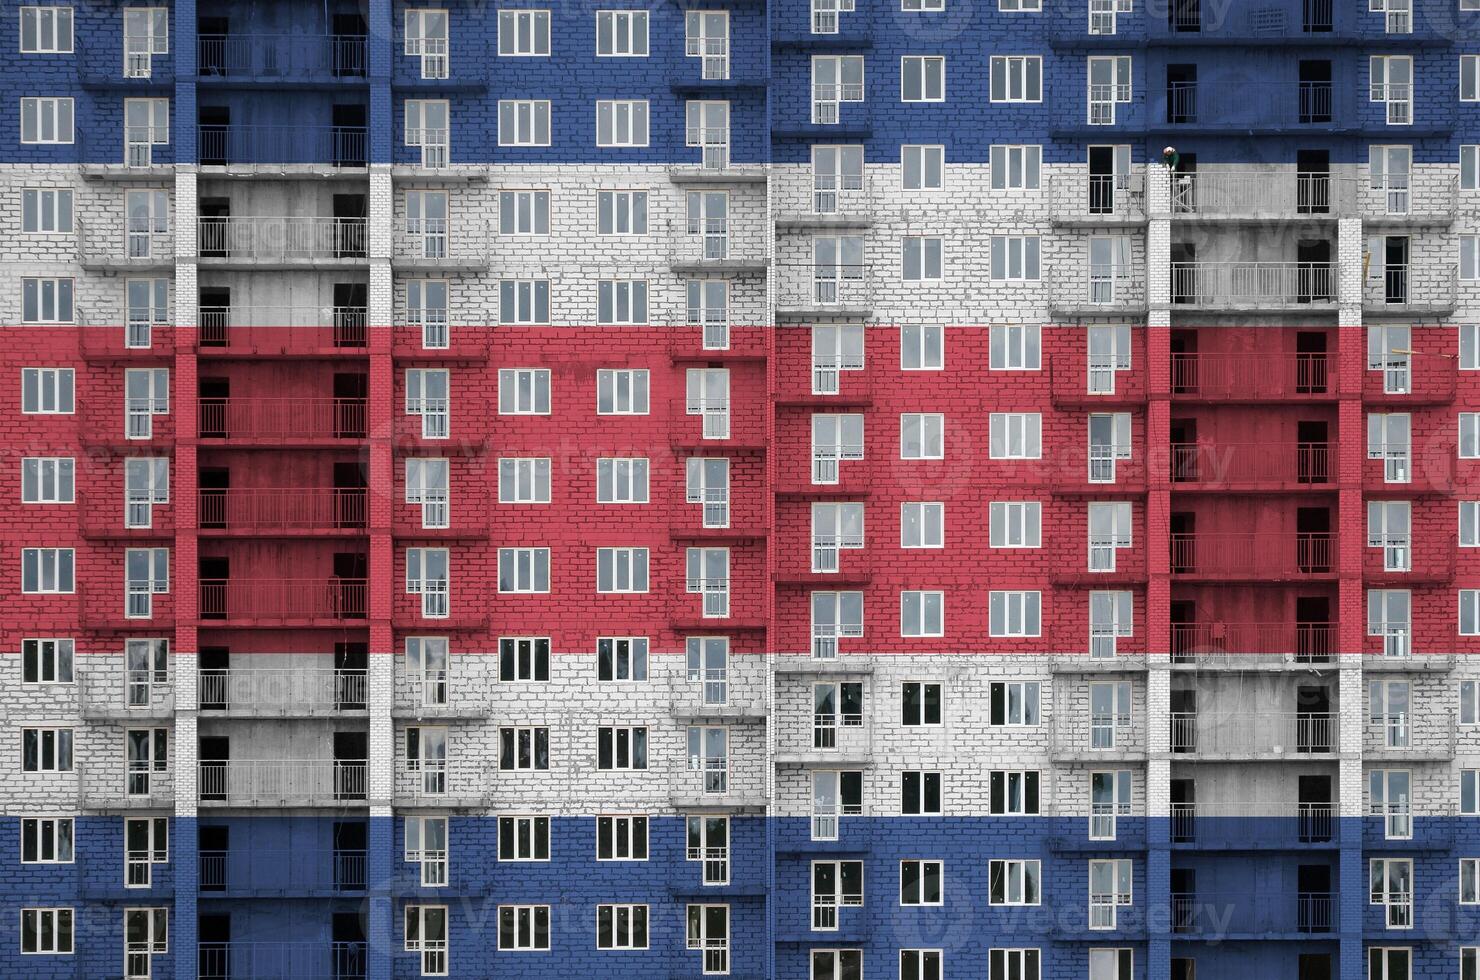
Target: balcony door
(1313, 895)
(213, 938)
(348, 135)
(215, 759)
(214, 127)
(1313, 282)
(1109, 172)
(215, 678)
(351, 750)
(351, 673)
(1313, 629)
(1314, 724)
(1315, 808)
(215, 576)
(1313, 181)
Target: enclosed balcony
(1400, 289)
(1254, 286)
(1084, 288)
(283, 782)
(334, 147)
(1254, 825)
(279, 421)
(279, 58)
(1273, 466)
(1239, 644)
(282, 241)
(254, 872)
(322, 960)
(825, 290)
(1257, 556)
(1253, 734)
(313, 510)
(1252, 376)
(1211, 916)
(282, 692)
(282, 331)
(282, 601)
(1098, 199)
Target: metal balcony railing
(1253, 463)
(285, 872)
(282, 782)
(281, 961)
(282, 690)
(1259, 824)
(1210, 914)
(1098, 197)
(282, 418)
(1212, 641)
(234, 145)
(282, 509)
(269, 329)
(1246, 375)
(1253, 732)
(1259, 555)
(1245, 105)
(1259, 285)
(281, 57)
(283, 599)
(1251, 193)
(268, 239)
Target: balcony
(711, 784)
(1253, 734)
(425, 335)
(714, 245)
(1252, 826)
(836, 739)
(439, 783)
(280, 421)
(1418, 379)
(309, 147)
(826, 202)
(315, 511)
(1400, 289)
(1254, 286)
(1399, 736)
(1078, 379)
(1260, 195)
(1396, 561)
(281, 961)
(716, 695)
(1096, 564)
(1081, 735)
(111, 787)
(273, 241)
(256, 873)
(1269, 914)
(1240, 644)
(119, 246)
(282, 692)
(825, 290)
(282, 602)
(1098, 199)
(1092, 290)
(1250, 377)
(1408, 199)
(1248, 466)
(436, 244)
(282, 331)
(106, 517)
(440, 693)
(280, 58)
(1250, 107)
(1093, 470)
(283, 783)
(1257, 556)
(118, 693)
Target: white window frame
(618, 212)
(1028, 70)
(48, 391)
(522, 120)
(915, 353)
(926, 162)
(62, 572)
(1019, 435)
(431, 46)
(50, 660)
(50, 30)
(622, 930)
(1025, 517)
(48, 480)
(1015, 605)
(429, 486)
(931, 89)
(625, 836)
(428, 920)
(47, 300)
(1021, 258)
(42, 833)
(523, 480)
(931, 427)
(53, 927)
(922, 524)
(524, 391)
(529, 831)
(622, 391)
(625, 121)
(51, 121)
(626, 571)
(627, 31)
(530, 568)
(432, 862)
(1022, 882)
(922, 613)
(922, 867)
(46, 211)
(622, 480)
(524, 33)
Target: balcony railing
(280, 961)
(281, 782)
(282, 329)
(1098, 197)
(1201, 642)
(1259, 555)
(825, 287)
(283, 599)
(1212, 915)
(1245, 105)
(282, 509)
(1253, 824)
(282, 57)
(282, 418)
(1097, 288)
(282, 690)
(298, 239)
(1250, 375)
(232, 145)
(1253, 732)
(1408, 288)
(1253, 285)
(1295, 464)
(282, 872)
(1252, 193)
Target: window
(523, 391)
(46, 300)
(621, 927)
(1469, 257)
(921, 964)
(922, 348)
(1015, 167)
(922, 167)
(426, 934)
(426, 669)
(622, 212)
(708, 929)
(1017, 78)
(47, 661)
(1469, 78)
(524, 838)
(1389, 794)
(622, 658)
(426, 307)
(428, 575)
(1109, 441)
(1469, 703)
(426, 38)
(709, 756)
(920, 793)
(147, 575)
(46, 212)
(1109, 532)
(427, 485)
(622, 481)
(1014, 703)
(837, 964)
(1013, 964)
(920, 882)
(1012, 882)
(46, 30)
(1391, 881)
(708, 575)
(46, 120)
(1469, 792)
(426, 845)
(922, 525)
(524, 658)
(524, 212)
(1389, 438)
(921, 258)
(523, 33)
(621, 301)
(835, 705)
(47, 391)
(707, 37)
(709, 843)
(1109, 86)
(148, 299)
(147, 752)
(146, 482)
(622, 33)
(922, 613)
(922, 6)
(834, 884)
(623, 392)
(523, 481)
(523, 122)
(1015, 348)
(1469, 881)
(835, 79)
(1014, 613)
(1109, 888)
(708, 396)
(46, 750)
(1015, 524)
(1392, 84)
(146, 32)
(1015, 435)
(146, 124)
(835, 349)
(834, 615)
(427, 394)
(46, 571)
(46, 480)
(1110, 797)
(621, 838)
(46, 931)
(1469, 612)
(621, 570)
(622, 123)
(524, 301)
(1469, 962)
(834, 794)
(921, 703)
(621, 747)
(1469, 435)
(1116, 964)
(1469, 180)
(1014, 258)
(1013, 792)
(46, 840)
(428, 127)
(922, 436)
(1110, 618)
(524, 569)
(524, 749)
(146, 842)
(708, 307)
(922, 78)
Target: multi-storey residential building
(741, 488)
